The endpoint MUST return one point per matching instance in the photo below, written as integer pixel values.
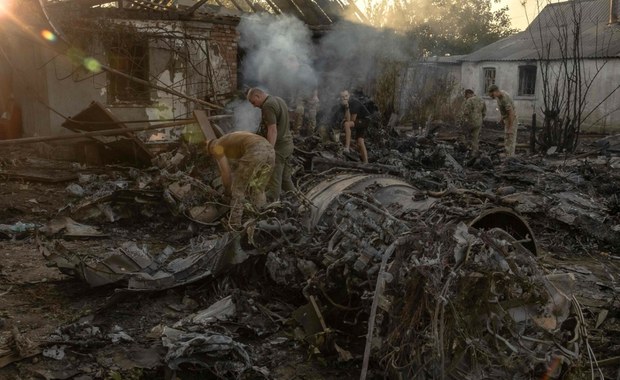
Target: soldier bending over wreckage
(255, 159)
(509, 116)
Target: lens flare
(92, 65)
(47, 35)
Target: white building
(516, 63)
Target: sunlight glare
(48, 36)
(92, 64)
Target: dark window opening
(132, 58)
(527, 80)
(489, 78)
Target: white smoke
(280, 56)
(351, 55)
(246, 117)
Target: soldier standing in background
(305, 98)
(472, 115)
(509, 117)
(356, 118)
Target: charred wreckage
(385, 273)
(424, 264)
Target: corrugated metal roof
(312, 12)
(541, 39)
(447, 59)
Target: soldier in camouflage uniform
(509, 117)
(304, 94)
(255, 159)
(472, 114)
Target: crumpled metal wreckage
(364, 217)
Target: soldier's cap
(492, 88)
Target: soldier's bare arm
(225, 173)
(269, 116)
(272, 134)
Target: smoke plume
(278, 54)
(281, 57)
(245, 116)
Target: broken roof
(599, 39)
(312, 12)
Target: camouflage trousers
(471, 136)
(302, 107)
(510, 137)
(250, 180)
(280, 177)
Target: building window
(130, 57)
(527, 80)
(489, 78)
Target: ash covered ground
(427, 263)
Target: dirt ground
(35, 300)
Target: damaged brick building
(194, 55)
(143, 60)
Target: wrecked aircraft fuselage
(390, 263)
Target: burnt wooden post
(533, 135)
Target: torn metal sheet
(222, 310)
(207, 349)
(121, 148)
(509, 221)
(390, 192)
(138, 271)
(115, 266)
(70, 228)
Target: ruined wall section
(223, 49)
(196, 58)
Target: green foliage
(386, 85)
(441, 27)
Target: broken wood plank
(107, 132)
(209, 132)
(40, 175)
(194, 8)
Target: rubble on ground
(426, 263)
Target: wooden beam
(106, 132)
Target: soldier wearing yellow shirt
(255, 159)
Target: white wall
(604, 119)
(47, 81)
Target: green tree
(440, 27)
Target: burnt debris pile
(424, 264)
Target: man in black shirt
(355, 117)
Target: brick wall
(227, 37)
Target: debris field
(424, 264)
